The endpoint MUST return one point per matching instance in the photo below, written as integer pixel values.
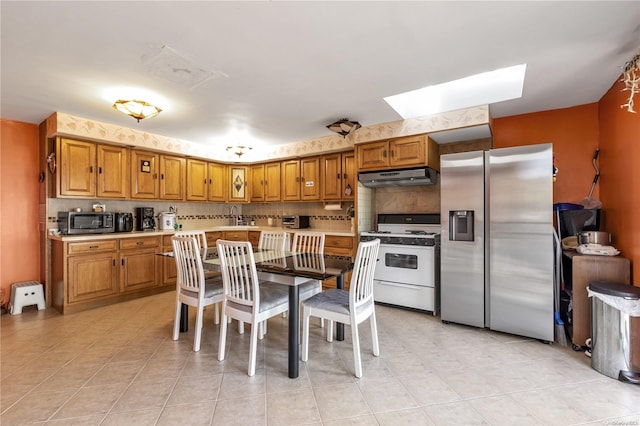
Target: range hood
(402, 177)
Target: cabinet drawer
(92, 247)
(338, 242)
(236, 235)
(166, 240)
(212, 237)
(134, 243)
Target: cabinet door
(272, 182)
(372, 156)
(254, 238)
(77, 176)
(92, 276)
(407, 151)
(144, 175)
(169, 268)
(197, 183)
(217, 182)
(113, 168)
(139, 269)
(331, 172)
(238, 184)
(349, 182)
(310, 168)
(290, 188)
(236, 235)
(257, 182)
(172, 177)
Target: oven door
(406, 264)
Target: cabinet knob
(384, 153)
(100, 170)
(392, 153)
(90, 169)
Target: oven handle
(410, 286)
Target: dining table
(290, 269)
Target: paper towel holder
(328, 205)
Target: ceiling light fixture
(344, 126)
(239, 150)
(137, 109)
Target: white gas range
(408, 270)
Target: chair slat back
(272, 240)
(239, 273)
(200, 237)
(361, 287)
(186, 252)
(308, 242)
(312, 262)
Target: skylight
(479, 89)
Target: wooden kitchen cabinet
(236, 236)
(90, 170)
(212, 237)
(301, 179)
(92, 269)
(584, 270)
(144, 175)
(408, 151)
(265, 182)
(337, 173)
(339, 245)
(238, 187)
(139, 263)
(205, 181)
(169, 268)
(157, 177)
(254, 238)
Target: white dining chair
(245, 299)
(191, 287)
(201, 238)
(274, 240)
(309, 242)
(349, 307)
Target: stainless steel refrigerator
(497, 240)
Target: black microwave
(85, 222)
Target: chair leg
(357, 361)
(240, 327)
(216, 313)
(176, 323)
(374, 334)
(330, 331)
(223, 336)
(305, 335)
(253, 349)
(198, 330)
(261, 329)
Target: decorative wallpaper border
(61, 124)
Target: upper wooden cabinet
(300, 179)
(407, 151)
(89, 170)
(338, 173)
(156, 176)
(205, 181)
(265, 182)
(238, 190)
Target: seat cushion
(333, 300)
(212, 287)
(272, 295)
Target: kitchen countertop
(138, 234)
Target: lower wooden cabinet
(90, 274)
(169, 268)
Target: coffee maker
(145, 220)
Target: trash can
(615, 330)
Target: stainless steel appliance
(500, 273)
(145, 220)
(403, 177)
(123, 222)
(407, 272)
(295, 222)
(85, 222)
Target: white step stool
(25, 294)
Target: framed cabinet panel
(197, 180)
(217, 181)
(238, 192)
(113, 171)
(172, 177)
(144, 175)
(290, 187)
(92, 276)
(76, 176)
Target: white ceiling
(282, 71)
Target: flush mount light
(239, 150)
(344, 126)
(137, 109)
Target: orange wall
(574, 135)
(620, 178)
(19, 186)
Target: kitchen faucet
(233, 212)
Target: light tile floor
(118, 366)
